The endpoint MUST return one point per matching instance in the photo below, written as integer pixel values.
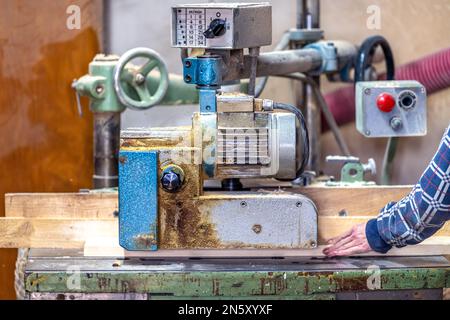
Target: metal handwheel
(137, 79)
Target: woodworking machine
(165, 174)
(235, 177)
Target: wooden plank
(53, 233)
(89, 205)
(73, 233)
(355, 201)
(109, 247)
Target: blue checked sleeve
(421, 213)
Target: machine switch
(216, 29)
(385, 102)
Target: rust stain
(184, 226)
(216, 287)
(152, 142)
(351, 283)
(38, 280)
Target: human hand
(353, 241)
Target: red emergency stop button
(385, 102)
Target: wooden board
(86, 221)
(355, 201)
(63, 233)
(109, 247)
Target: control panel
(222, 25)
(391, 108)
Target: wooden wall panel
(44, 144)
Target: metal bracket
(353, 170)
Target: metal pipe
(282, 45)
(106, 149)
(301, 14)
(106, 32)
(311, 20)
(253, 54)
(313, 7)
(275, 63)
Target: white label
(191, 23)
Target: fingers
(362, 248)
(331, 251)
(336, 239)
(352, 242)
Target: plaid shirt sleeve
(421, 213)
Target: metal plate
(264, 221)
(138, 200)
(371, 122)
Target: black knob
(171, 181)
(216, 29)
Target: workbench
(67, 274)
(73, 239)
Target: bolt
(243, 204)
(367, 91)
(188, 64)
(99, 89)
(313, 244)
(139, 79)
(368, 133)
(171, 181)
(188, 79)
(208, 108)
(257, 228)
(298, 204)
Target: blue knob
(171, 181)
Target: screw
(257, 228)
(313, 244)
(208, 108)
(243, 204)
(123, 160)
(298, 204)
(367, 91)
(139, 78)
(188, 64)
(368, 133)
(343, 213)
(188, 79)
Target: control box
(222, 25)
(391, 108)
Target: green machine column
(98, 86)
